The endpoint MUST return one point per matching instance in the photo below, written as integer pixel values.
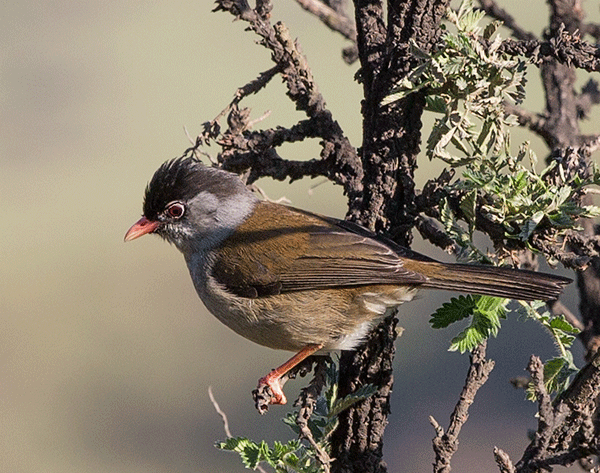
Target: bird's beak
(140, 228)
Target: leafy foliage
(485, 312)
(559, 370)
(280, 456)
(467, 82)
(295, 456)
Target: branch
(569, 50)
(336, 20)
(445, 445)
(212, 128)
(220, 412)
(341, 160)
(493, 10)
(503, 461)
(589, 96)
(565, 432)
(307, 402)
(593, 29)
(225, 421)
(357, 442)
(534, 121)
(430, 230)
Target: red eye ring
(175, 210)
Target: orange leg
(273, 379)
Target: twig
(537, 449)
(445, 445)
(503, 461)
(570, 50)
(332, 18)
(533, 121)
(429, 230)
(493, 10)
(593, 29)
(225, 421)
(566, 431)
(220, 412)
(340, 160)
(307, 402)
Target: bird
(293, 280)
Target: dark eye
(175, 210)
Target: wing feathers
(281, 249)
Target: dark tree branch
(493, 10)
(357, 443)
(307, 402)
(565, 431)
(568, 49)
(334, 19)
(430, 230)
(589, 96)
(588, 282)
(341, 162)
(445, 444)
(391, 137)
(593, 29)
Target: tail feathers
(496, 281)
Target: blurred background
(106, 353)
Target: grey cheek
(205, 203)
(203, 209)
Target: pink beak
(140, 228)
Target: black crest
(181, 179)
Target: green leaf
(485, 313)
(458, 308)
(491, 29)
(483, 325)
(467, 340)
(249, 451)
(468, 205)
(360, 394)
(557, 375)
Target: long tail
(494, 281)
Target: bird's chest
(245, 316)
(221, 303)
(337, 318)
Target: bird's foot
(270, 388)
(269, 392)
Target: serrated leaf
(457, 309)
(466, 340)
(251, 455)
(492, 305)
(468, 205)
(485, 322)
(557, 375)
(360, 394)
(234, 444)
(290, 421)
(490, 29)
(560, 323)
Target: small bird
(293, 280)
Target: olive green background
(106, 353)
